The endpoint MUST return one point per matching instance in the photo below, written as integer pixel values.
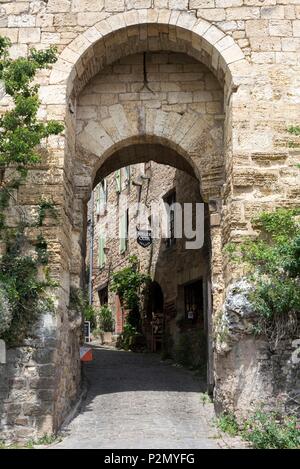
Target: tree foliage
(20, 130)
(272, 262)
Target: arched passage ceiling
(138, 31)
(140, 153)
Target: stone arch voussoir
(189, 135)
(100, 44)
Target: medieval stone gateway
(230, 133)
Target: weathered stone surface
(237, 315)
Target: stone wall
(251, 47)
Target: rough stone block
(212, 14)
(52, 94)
(81, 6)
(242, 13)
(114, 5)
(195, 4)
(257, 28)
(59, 6)
(137, 4)
(272, 12)
(296, 28)
(18, 50)
(21, 21)
(29, 35)
(11, 33)
(280, 28)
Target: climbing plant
(129, 284)
(45, 206)
(23, 288)
(272, 262)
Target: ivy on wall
(23, 290)
(129, 284)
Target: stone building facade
(179, 274)
(230, 132)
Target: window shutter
(101, 254)
(118, 180)
(123, 232)
(103, 195)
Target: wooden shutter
(103, 195)
(123, 231)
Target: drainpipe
(91, 249)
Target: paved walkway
(137, 401)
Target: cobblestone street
(135, 400)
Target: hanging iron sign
(87, 331)
(144, 238)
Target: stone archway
(94, 144)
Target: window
(103, 194)
(193, 300)
(118, 181)
(123, 230)
(103, 296)
(126, 176)
(101, 251)
(101, 197)
(170, 200)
